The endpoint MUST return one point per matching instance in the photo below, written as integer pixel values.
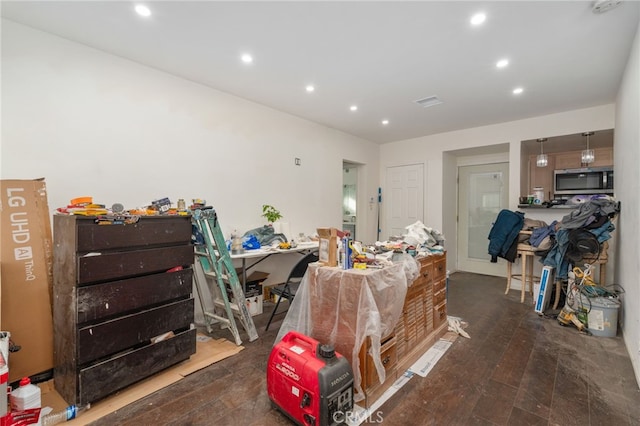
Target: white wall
(94, 124)
(626, 157)
(436, 151)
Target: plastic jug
(26, 396)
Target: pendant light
(542, 160)
(587, 154)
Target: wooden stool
(527, 254)
(600, 260)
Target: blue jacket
(504, 233)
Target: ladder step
(233, 305)
(217, 268)
(203, 253)
(212, 274)
(218, 318)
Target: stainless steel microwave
(588, 180)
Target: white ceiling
(382, 56)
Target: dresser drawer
(389, 359)
(108, 338)
(114, 265)
(416, 287)
(148, 231)
(439, 297)
(109, 376)
(101, 301)
(426, 268)
(439, 285)
(439, 315)
(439, 268)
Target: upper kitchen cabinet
(572, 159)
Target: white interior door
(404, 198)
(483, 191)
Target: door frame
(479, 266)
(498, 153)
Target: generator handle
(294, 335)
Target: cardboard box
(26, 276)
(253, 288)
(328, 246)
(254, 283)
(267, 295)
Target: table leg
(524, 277)
(558, 291)
(531, 279)
(244, 276)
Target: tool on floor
(221, 278)
(309, 382)
(568, 316)
(574, 311)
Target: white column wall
(627, 183)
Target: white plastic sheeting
(344, 307)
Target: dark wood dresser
(119, 316)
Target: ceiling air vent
(429, 101)
(601, 6)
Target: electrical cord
(586, 289)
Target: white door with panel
(483, 191)
(404, 198)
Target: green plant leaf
(270, 213)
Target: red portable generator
(309, 382)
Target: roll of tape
(81, 200)
(117, 208)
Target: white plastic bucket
(603, 317)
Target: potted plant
(270, 213)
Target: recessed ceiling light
(310, 88)
(502, 63)
(353, 107)
(246, 58)
(385, 122)
(518, 90)
(143, 10)
(478, 18)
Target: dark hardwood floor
(518, 368)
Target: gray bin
(603, 317)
